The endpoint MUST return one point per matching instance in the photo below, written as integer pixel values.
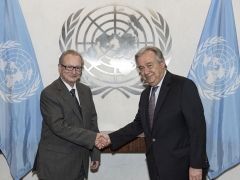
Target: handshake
(102, 140)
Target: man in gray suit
(69, 127)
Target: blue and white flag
(20, 87)
(215, 70)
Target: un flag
(215, 70)
(20, 87)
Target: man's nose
(146, 70)
(74, 70)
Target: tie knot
(72, 92)
(154, 89)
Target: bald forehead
(70, 58)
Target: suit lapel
(68, 98)
(82, 100)
(163, 93)
(146, 106)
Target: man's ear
(59, 68)
(163, 64)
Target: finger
(97, 143)
(103, 141)
(99, 146)
(98, 135)
(92, 166)
(96, 165)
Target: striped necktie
(151, 107)
(75, 100)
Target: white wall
(185, 19)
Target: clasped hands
(102, 140)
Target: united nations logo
(18, 79)
(217, 75)
(108, 37)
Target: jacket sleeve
(95, 153)
(193, 112)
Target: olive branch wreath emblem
(210, 94)
(17, 97)
(164, 38)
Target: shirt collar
(160, 83)
(68, 86)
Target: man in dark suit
(69, 127)
(172, 120)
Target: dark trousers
(81, 175)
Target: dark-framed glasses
(70, 68)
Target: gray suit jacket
(67, 139)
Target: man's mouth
(149, 76)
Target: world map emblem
(215, 69)
(108, 37)
(18, 77)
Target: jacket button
(153, 140)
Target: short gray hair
(72, 52)
(157, 51)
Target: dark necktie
(75, 100)
(151, 107)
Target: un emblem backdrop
(108, 37)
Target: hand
(102, 140)
(195, 174)
(94, 165)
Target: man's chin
(153, 84)
(149, 81)
(74, 79)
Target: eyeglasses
(70, 68)
(149, 66)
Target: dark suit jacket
(67, 139)
(177, 140)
